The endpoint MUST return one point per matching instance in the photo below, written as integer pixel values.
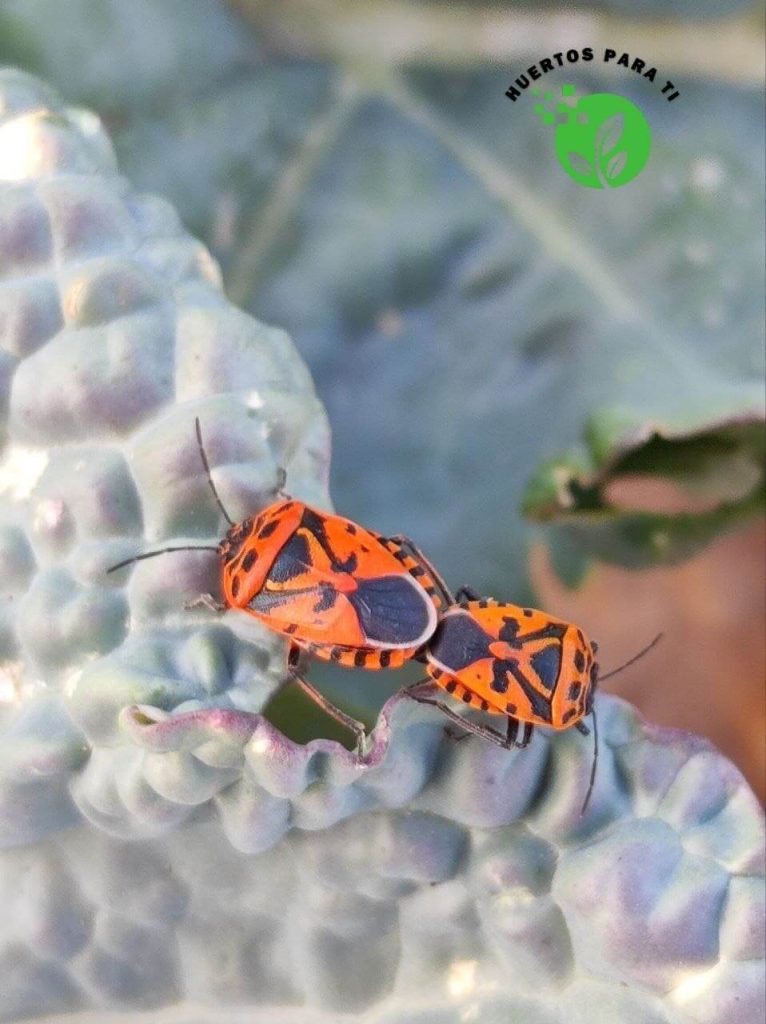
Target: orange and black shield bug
(332, 588)
(520, 663)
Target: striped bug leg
(420, 692)
(358, 728)
(512, 733)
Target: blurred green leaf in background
(485, 333)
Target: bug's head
(593, 676)
(232, 542)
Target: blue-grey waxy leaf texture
(365, 183)
(165, 848)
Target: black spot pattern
(499, 676)
(293, 560)
(547, 665)
(328, 598)
(390, 609)
(460, 641)
(315, 525)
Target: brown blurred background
(709, 673)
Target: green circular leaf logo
(602, 140)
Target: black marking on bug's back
(527, 612)
(459, 641)
(293, 560)
(547, 665)
(509, 631)
(360, 659)
(541, 705)
(235, 586)
(329, 595)
(499, 676)
(553, 631)
(350, 528)
(249, 560)
(579, 660)
(268, 529)
(390, 609)
(384, 659)
(574, 691)
(568, 715)
(314, 524)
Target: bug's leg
(582, 728)
(205, 601)
(468, 594)
(321, 701)
(526, 736)
(279, 489)
(418, 693)
(512, 731)
(412, 549)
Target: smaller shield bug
(520, 663)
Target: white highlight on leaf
(693, 986)
(260, 745)
(49, 515)
(11, 673)
(22, 146)
(461, 978)
(21, 470)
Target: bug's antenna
(206, 464)
(593, 764)
(635, 658)
(151, 554)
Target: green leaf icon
(606, 144)
(580, 164)
(609, 134)
(616, 165)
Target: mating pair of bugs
(346, 594)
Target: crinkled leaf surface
(167, 853)
(473, 320)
